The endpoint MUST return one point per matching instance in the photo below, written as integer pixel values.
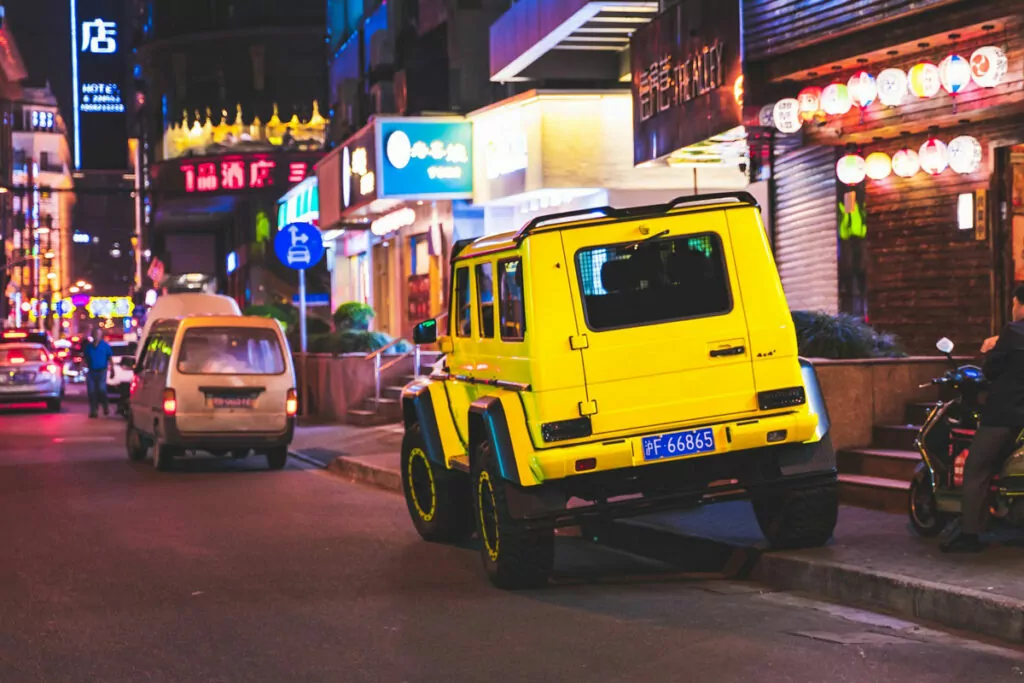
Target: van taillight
(170, 402)
(291, 404)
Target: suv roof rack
(744, 198)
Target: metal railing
(379, 366)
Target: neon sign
(99, 37)
(230, 174)
(360, 168)
(110, 307)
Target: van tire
(798, 518)
(514, 557)
(135, 444)
(276, 458)
(436, 497)
(163, 455)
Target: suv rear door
(665, 337)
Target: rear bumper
(227, 440)
(45, 392)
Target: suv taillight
(781, 398)
(576, 428)
(291, 404)
(133, 386)
(170, 402)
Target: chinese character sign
(99, 36)
(687, 66)
(232, 174)
(425, 159)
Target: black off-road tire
(922, 509)
(135, 444)
(437, 498)
(798, 518)
(514, 557)
(277, 458)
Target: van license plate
(232, 402)
(679, 443)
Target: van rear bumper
(227, 440)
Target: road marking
(84, 439)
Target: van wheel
(514, 557)
(437, 498)
(163, 455)
(276, 458)
(135, 445)
(800, 518)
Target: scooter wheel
(923, 509)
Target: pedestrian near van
(99, 364)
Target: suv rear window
(13, 355)
(628, 285)
(230, 351)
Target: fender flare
(418, 408)
(815, 398)
(487, 420)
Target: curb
(356, 471)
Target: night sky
(41, 29)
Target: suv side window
(513, 315)
(463, 303)
(485, 296)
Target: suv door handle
(728, 351)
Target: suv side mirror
(425, 332)
(945, 346)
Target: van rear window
(629, 285)
(230, 351)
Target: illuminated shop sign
(301, 204)
(425, 159)
(393, 222)
(687, 68)
(98, 68)
(232, 173)
(110, 307)
(359, 168)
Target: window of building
(485, 294)
(671, 279)
(463, 303)
(513, 314)
(420, 255)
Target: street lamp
(87, 287)
(74, 289)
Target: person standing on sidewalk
(1001, 421)
(99, 362)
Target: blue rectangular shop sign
(425, 159)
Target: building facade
(12, 74)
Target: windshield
(670, 279)
(15, 355)
(230, 351)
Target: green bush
(821, 335)
(353, 316)
(348, 341)
(286, 313)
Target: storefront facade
(389, 196)
(898, 175)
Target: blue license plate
(676, 444)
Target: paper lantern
(954, 74)
(934, 156)
(835, 99)
(892, 87)
(851, 169)
(878, 166)
(964, 154)
(989, 66)
(863, 89)
(905, 163)
(766, 117)
(923, 80)
(810, 103)
(786, 114)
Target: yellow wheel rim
(485, 494)
(426, 514)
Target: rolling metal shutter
(806, 242)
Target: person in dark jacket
(1001, 421)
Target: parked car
(29, 374)
(119, 386)
(638, 359)
(221, 384)
(25, 335)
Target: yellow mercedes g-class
(636, 359)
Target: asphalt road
(223, 571)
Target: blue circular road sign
(299, 245)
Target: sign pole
(302, 311)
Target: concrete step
(878, 493)
(369, 418)
(895, 437)
(392, 392)
(917, 413)
(885, 463)
(390, 408)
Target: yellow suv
(637, 360)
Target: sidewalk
(874, 560)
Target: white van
(181, 305)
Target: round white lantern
(863, 89)
(905, 163)
(934, 156)
(766, 117)
(835, 99)
(923, 80)
(878, 166)
(851, 169)
(989, 66)
(954, 74)
(892, 87)
(964, 155)
(786, 114)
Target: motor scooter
(944, 441)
